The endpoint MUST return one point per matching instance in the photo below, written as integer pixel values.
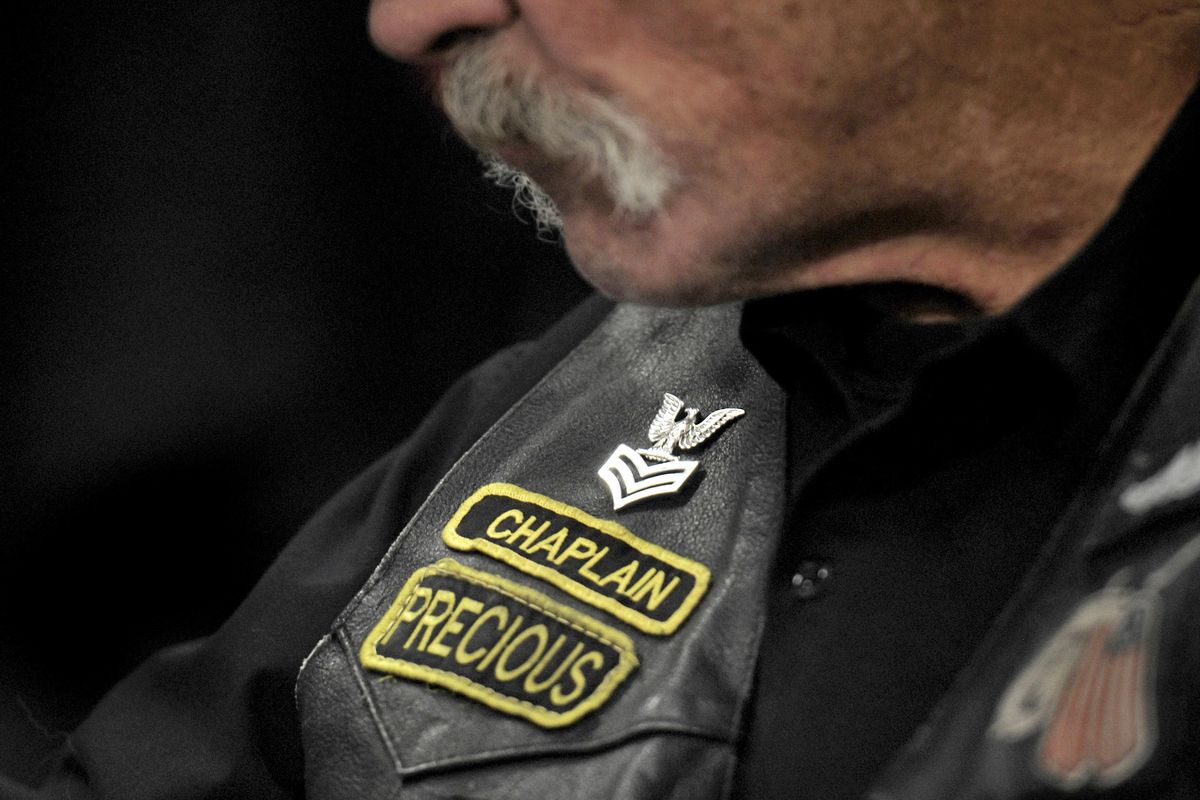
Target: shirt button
(812, 579)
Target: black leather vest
(1087, 683)
(669, 728)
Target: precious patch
(595, 560)
(500, 643)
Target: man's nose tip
(414, 30)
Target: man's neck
(1030, 168)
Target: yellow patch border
(539, 715)
(642, 622)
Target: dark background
(241, 257)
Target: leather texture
(670, 729)
(1100, 547)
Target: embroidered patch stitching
(698, 573)
(1089, 694)
(588, 627)
(1089, 691)
(545, 610)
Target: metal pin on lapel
(636, 475)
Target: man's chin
(647, 258)
(649, 277)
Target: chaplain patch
(499, 643)
(596, 560)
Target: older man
(928, 529)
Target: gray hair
(490, 104)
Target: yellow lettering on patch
(464, 656)
(653, 586)
(533, 684)
(499, 643)
(586, 569)
(453, 626)
(592, 559)
(621, 577)
(580, 547)
(551, 543)
(414, 608)
(536, 634)
(528, 532)
(509, 632)
(437, 610)
(496, 532)
(561, 698)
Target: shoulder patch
(595, 560)
(499, 643)
(1089, 693)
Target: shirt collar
(1094, 322)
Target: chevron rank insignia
(636, 475)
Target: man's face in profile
(694, 150)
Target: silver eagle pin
(636, 475)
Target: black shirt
(927, 466)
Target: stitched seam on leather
(324, 640)
(750, 662)
(647, 727)
(369, 698)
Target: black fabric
(217, 717)
(927, 465)
(693, 682)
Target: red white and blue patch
(1089, 692)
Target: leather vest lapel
(1079, 686)
(668, 728)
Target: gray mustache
(491, 105)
